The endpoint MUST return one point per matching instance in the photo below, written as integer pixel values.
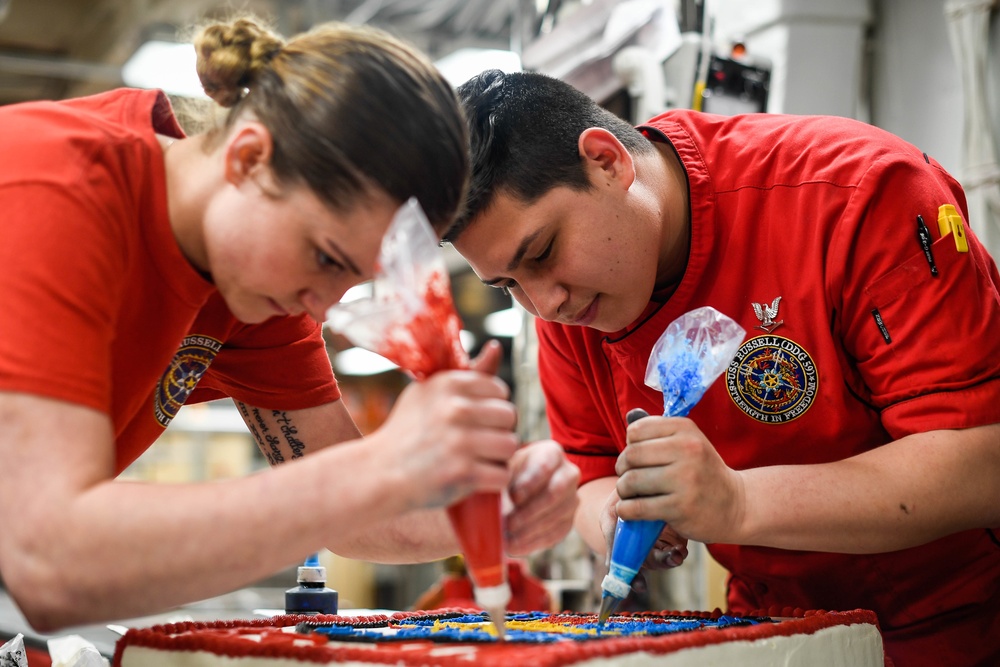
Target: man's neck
(675, 219)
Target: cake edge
(170, 637)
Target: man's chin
(613, 325)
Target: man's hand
(671, 472)
(670, 549)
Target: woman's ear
(248, 152)
(605, 158)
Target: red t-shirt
(866, 346)
(99, 307)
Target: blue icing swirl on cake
(524, 628)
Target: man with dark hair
(850, 456)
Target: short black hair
(524, 129)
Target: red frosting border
(168, 637)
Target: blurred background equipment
(735, 84)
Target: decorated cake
(455, 637)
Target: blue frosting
(476, 632)
(681, 381)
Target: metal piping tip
(498, 616)
(608, 604)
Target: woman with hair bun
(143, 269)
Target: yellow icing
(536, 626)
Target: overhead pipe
(60, 68)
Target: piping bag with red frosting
(411, 321)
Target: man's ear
(248, 152)
(605, 158)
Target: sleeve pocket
(915, 273)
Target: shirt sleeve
(926, 347)
(280, 364)
(574, 421)
(58, 269)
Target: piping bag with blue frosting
(689, 355)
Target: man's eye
(545, 253)
(506, 287)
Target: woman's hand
(543, 490)
(448, 436)
(543, 484)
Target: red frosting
(429, 341)
(224, 638)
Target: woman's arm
(287, 435)
(79, 547)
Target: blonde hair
(347, 107)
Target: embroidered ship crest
(772, 379)
(767, 314)
(187, 367)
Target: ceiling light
(169, 66)
(463, 64)
(360, 291)
(504, 323)
(359, 361)
(467, 339)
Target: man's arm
(591, 521)
(902, 494)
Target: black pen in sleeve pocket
(924, 236)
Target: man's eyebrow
(519, 254)
(342, 256)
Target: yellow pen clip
(949, 221)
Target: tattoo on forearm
(289, 431)
(267, 442)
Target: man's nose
(545, 298)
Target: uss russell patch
(195, 355)
(772, 379)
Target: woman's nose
(316, 303)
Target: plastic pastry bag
(689, 355)
(75, 651)
(12, 653)
(410, 319)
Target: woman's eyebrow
(342, 256)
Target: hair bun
(230, 55)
